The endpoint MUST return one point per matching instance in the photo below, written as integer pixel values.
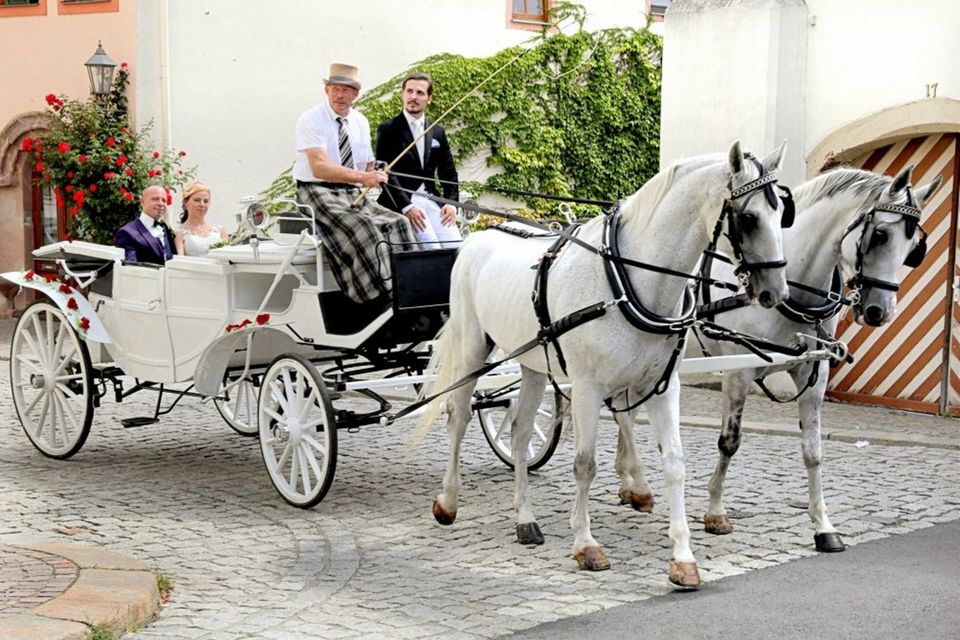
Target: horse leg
(468, 350)
(825, 536)
(736, 386)
(585, 409)
(634, 489)
(664, 412)
(532, 385)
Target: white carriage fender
(208, 376)
(83, 317)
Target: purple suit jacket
(140, 246)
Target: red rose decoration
(65, 288)
(245, 322)
(27, 144)
(230, 327)
(84, 323)
(49, 277)
(263, 318)
(111, 142)
(51, 99)
(63, 147)
(29, 275)
(82, 158)
(72, 304)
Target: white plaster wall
(868, 55)
(239, 72)
(733, 70)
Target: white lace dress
(196, 244)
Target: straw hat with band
(343, 74)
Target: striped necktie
(346, 155)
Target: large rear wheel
(298, 432)
(52, 380)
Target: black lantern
(100, 69)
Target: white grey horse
(667, 223)
(853, 227)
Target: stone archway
(910, 120)
(10, 139)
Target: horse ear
(736, 158)
(902, 181)
(773, 161)
(922, 194)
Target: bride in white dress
(194, 235)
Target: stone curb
(853, 436)
(111, 590)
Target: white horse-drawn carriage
(263, 330)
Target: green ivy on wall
(578, 115)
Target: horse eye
(878, 238)
(748, 222)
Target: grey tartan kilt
(356, 239)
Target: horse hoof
(529, 533)
(442, 516)
(592, 559)
(829, 542)
(717, 524)
(639, 501)
(684, 574)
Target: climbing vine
(577, 115)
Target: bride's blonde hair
(188, 193)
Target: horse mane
(646, 200)
(855, 182)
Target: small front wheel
(239, 407)
(496, 421)
(52, 380)
(298, 432)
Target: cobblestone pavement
(192, 500)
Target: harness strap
(545, 335)
(539, 298)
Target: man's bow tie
(157, 223)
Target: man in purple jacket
(148, 238)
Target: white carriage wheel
(298, 431)
(239, 408)
(495, 423)
(52, 381)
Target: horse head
(755, 214)
(886, 236)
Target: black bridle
(910, 213)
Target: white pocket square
(434, 144)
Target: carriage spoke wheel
(239, 408)
(52, 381)
(298, 432)
(496, 425)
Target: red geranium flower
(65, 288)
(72, 304)
(69, 188)
(150, 173)
(122, 160)
(93, 187)
(156, 154)
(39, 166)
(263, 318)
(129, 171)
(109, 175)
(63, 147)
(111, 142)
(70, 174)
(182, 154)
(128, 196)
(73, 211)
(84, 323)
(51, 99)
(124, 66)
(27, 144)
(82, 158)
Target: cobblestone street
(192, 499)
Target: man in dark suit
(148, 238)
(426, 161)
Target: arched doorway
(913, 362)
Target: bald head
(154, 201)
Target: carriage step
(139, 421)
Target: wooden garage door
(914, 362)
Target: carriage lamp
(100, 69)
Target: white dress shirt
(155, 229)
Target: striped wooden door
(913, 362)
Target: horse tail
(441, 365)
